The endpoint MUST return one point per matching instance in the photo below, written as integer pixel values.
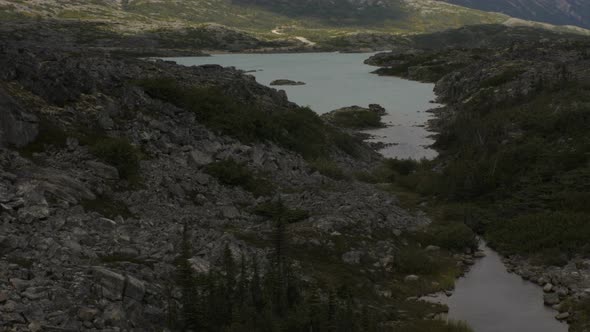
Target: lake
(335, 80)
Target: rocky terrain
(102, 172)
(505, 117)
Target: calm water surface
(335, 80)
(488, 298)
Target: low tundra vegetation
(298, 129)
(232, 173)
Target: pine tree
(190, 293)
(332, 308)
(242, 285)
(228, 287)
(278, 271)
(256, 291)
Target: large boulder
(112, 284)
(17, 127)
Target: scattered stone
(562, 316)
(199, 158)
(432, 248)
(200, 265)
(550, 299)
(103, 170)
(547, 288)
(352, 257)
(134, 289)
(87, 314)
(411, 278)
(35, 326)
(479, 254)
(112, 283)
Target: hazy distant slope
(561, 12)
(263, 15)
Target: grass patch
(232, 173)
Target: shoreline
(545, 277)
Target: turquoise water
(335, 80)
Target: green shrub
(417, 261)
(299, 129)
(232, 173)
(453, 236)
(120, 153)
(279, 212)
(328, 168)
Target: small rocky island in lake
(286, 82)
(357, 117)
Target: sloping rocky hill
(99, 176)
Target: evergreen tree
(190, 293)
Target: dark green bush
(120, 153)
(453, 236)
(279, 212)
(328, 168)
(232, 173)
(299, 129)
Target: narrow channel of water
(490, 299)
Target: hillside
(559, 12)
(316, 20)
